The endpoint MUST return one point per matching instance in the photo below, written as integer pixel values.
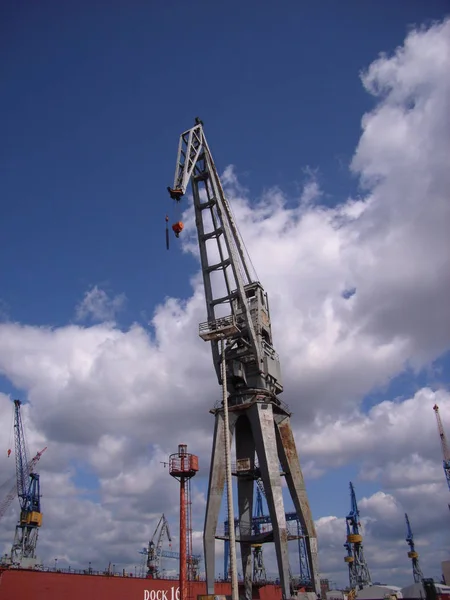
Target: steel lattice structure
(28, 491)
(358, 571)
(444, 445)
(238, 315)
(412, 554)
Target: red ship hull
(21, 584)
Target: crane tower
(239, 328)
(412, 554)
(444, 445)
(358, 570)
(28, 490)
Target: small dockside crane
(358, 571)
(28, 490)
(412, 554)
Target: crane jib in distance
(444, 445)
(412, 554)
(238, 316)
(155, 552)
(358, 571)
(28, 491)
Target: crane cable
(11, 433)
(241, 239)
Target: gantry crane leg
(296, 484)
(216, 486)
(245, 449)
(263, 428)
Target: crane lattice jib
(359, 575)
(444, 445)
(22, 466)
(251, 359)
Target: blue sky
(94, 98)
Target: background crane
(161, 532)
(28, 491)
(259, 520)
(412, 554)
(444, 445)
(259, 570)
(358, 570)
(155, 552)
(239, 330)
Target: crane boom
(238, 321)
(22, 468)
(444, 445)
(250, 343)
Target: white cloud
(115, 402)
(98, 306)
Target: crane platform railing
(221, 328)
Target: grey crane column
(217, 477)
(245, 451)
(296, 484)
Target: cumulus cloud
(98, 306)
(359, 293)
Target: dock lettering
(162, 594)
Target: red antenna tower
(183, 467)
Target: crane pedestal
(261, 428)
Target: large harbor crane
(444, 446)
(248, 369)
(28, 491)
(412, 554)
(358, 571)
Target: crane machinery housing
(358, 571)
(239, 328)
(412, 554)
